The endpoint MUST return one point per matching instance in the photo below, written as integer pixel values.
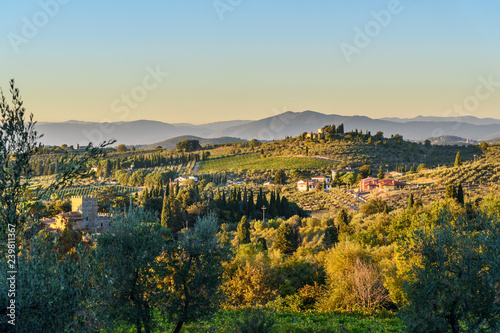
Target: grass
(255, 162)
(224, 321)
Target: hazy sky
(248, 59)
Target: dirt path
(196, 168)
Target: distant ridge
(450, 140)
(172, 143)
(147, 132)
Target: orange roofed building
(369, 184)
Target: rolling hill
(171, 143)
(146, 132)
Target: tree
(452, 275)
(254, 143)
(121, 148)
(381, 174)
(373, 206)
(483, 146)
(49, 277)
(188, 145)
(458, 160)
(460, 194)
(410, 201)
(354, 279)
(192, 271)
(243, 231)
(422, 166)
(279, 177)
(286, 238)
(331, 236)
(165, 211)
(365, 171)
(126, 254)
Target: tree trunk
(138, 325)
(178, 326)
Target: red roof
(391, 182)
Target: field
(255, 162)
(88, 190)
(224, 321)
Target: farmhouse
(183, 179)
(83, 215)
(302, 185)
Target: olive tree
(453, 276)
(50, 285)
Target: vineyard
(256, 162)
(89, 190)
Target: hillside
(450, 140)
(171, 143)
(497, 140)
(145, 132)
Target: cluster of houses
(366, 185)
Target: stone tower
(87, 206)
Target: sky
(202, 61)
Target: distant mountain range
(146, 132)
(172, 143)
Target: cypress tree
(460, 194)
(165, 212)
(273, 211)
(250, 205)
(458, 160)
(410, 201)
(380, 173)
(260, 201)
(243, 231)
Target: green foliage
(126, 254)
(380, 174)
(365, 171)
(451, 283)
(254, 320)
(192, 270)
(354, 280)
(243, 231)
(286, 239)
(255, 162)
(188, 145)
(279, 177)
(458, 160)
(410, 201)
(331, 236)
(422, 166)
(373, 206)
(53, 282)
